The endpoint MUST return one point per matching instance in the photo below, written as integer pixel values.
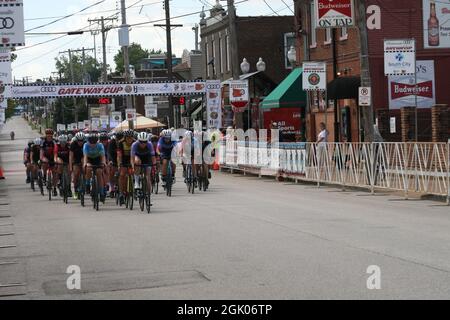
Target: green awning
(288, 94)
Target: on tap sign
(239, 95)
(334, 13)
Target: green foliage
(9, 112)
(136, 54)
(93, 68)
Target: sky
(38, 62)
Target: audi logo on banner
(48, 89)
(6, 23)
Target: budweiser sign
(334, 13)
(403, 90)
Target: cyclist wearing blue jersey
(94, 155)
(164, 149)
(142, 154)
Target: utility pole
(72, 75)
(365, 70)
(169, 57)
(126, 57)
(169, 64)
(233, 39)
(196, 29)
(104, 31)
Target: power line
(271, 8)
(67, 16)
(288, 6)
(91, 13)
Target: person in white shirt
(322, 138)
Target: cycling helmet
(37, 141)
(49, 131)
(188, 134)
(167, 134)
(142, 137)
(80, 136)
(70, 136)
(93, 138)
(30, 143)
(119, 135)
(63, 139)
(128, 134)
(103, 136)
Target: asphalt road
(246, 238)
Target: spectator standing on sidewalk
(322, 140)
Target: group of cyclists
(114, 159)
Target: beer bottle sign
(436, 24)
(433, 26)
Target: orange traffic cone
(216, 165)
(1, 174)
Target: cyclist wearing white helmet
(34, 157)
(190, 149)
(62, 153)
(142, 154)
(76, 159)
(164, 149)
(124, 161)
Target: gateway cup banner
(402, 88)
(105, 89)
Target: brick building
(263, 37)
(340, 48)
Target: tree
(136, 53)
(93, 68)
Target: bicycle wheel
(141, 194)
(130, 192)
(81, 189)
(169, 180)
(189, 177)
(40, 182)
(147, 195)
(32, 182)
(94, 192)
(65, 186)
(49, 185)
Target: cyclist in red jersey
(62, 153)
(47, 156)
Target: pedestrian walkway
(12, 265)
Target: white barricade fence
(408, 167)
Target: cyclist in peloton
(104, 140)
(190, 148)
(112, 157)
(164, 149)
(94, 155)
(27, 159)
(76, 159)
(124, 161)
(47, 158)
(142, 153)
(62, 153)
(35, 156)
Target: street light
(261, 65)
(245, 66)
(292, 56)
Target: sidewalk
(12, 265)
